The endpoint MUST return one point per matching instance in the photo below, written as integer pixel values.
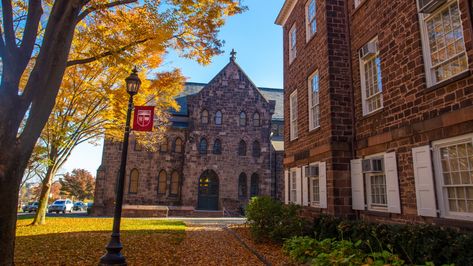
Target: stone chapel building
(223, 146)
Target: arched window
(256, 149)
(242, 186)
(164, 145)
(174, 189)
(256, 119)
(218, 118)
(203, 146)
(162, 182)
(243, 119)
(204, 117)
(133, 184)
(242, 148)
(254, 188)
(178, 145)
(137, 145)
(217, 147)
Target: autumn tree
(36, 39)
(79, 184)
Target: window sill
(378, 212)
(308, 40)
(372, 114)
(449, 81)
(315, 129)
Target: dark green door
(208, 191)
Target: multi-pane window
(315, 187)
(204, 117)
(293, 115)
(314, 103)
(243, 119)
(178, 145)
(162, 182)
(163, 147)
(218, 118)
(256, 119)
(456, 162)
(293, 186)
(377, 190)
(242, 148)
(133, 185)
(174, 190)
(371, 82)
(311, 22)
(292, 43)
(203, 145)
(444, 46)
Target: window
(314, 186)
(137, 145)
(162, 182)
(454, 176)
(292, 43)
(203, 146)
(204, 117)
(242, 148)
(311, 22)
(376, 185)
(254, 188)
(217, 149)
(256, 149)
(357, 3)
(242, 119)
(314, 103)
(218, 118)
(174, 189)
(256, 119)
(370, 70)
(178, 145)
(293, 115)
(242, 186)
(293, 186)
(443, 43)
(133, 185)
(164, 145)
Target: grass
(82, 241)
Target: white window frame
(367, 178)
(309, 21)
(292, 43)
(357, 2)
(293, 115)
(311, 187)
(293, 186)
(423, 18)
(365, 99)
(316, 105)
(441, 193)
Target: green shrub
(269, 219)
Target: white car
(62, 205)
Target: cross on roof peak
(233, 55)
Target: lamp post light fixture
(114, 256)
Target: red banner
(143, 118)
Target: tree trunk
(10, 174)
(40, 216)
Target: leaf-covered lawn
(81, 241)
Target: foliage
(336, 252)
(79, 184)
(269, 219)
(416, 244)
(81, 241)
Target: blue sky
(258, 43)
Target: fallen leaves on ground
(82, 241)
(272, 252)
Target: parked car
(79, 206)
(63, 205)
(33, 206)
(25, 207)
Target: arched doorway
(208, 191)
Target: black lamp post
(114, 256)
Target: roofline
(286, 10)
(271, 89)
(195, 83)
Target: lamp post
(114, 256)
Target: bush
(416, 244)
(336, 252)
(269, 219)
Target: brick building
(379, 109)
(223, 146)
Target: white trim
(305, 186)
(293, 116)
(286, 186)
(424, 181)
(367, 187)
(285, 12)
(309, 102)
(357, 186)
(308, 33)
(323, 184)
(292, 43)
(392, 183)
(363, 81)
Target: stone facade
(198, 176)
(422, 115)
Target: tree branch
(102, 6)
(8, 24)
(105, 54)
(31, 29)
